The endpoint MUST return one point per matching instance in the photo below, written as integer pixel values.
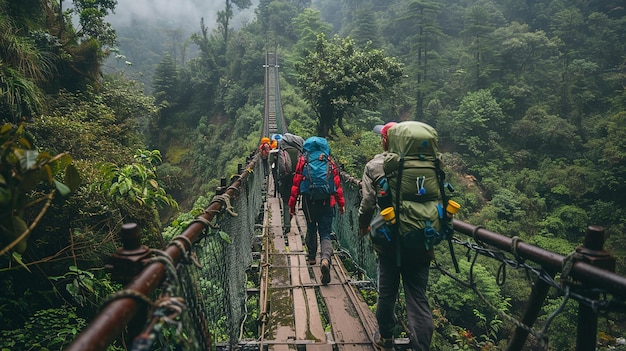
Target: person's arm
(367, 206)
(295, 187)
(339, 194)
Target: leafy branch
(22, 169)
(136, 182)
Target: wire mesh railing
(585, 275)
(193, 293)
(225, 255)
(347, 226)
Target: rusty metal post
(125, 264)
(592, 252)
(535, 302)
(222, 188)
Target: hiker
(413, 266)
(273, 159)
(317, 180)
(264, 149)
(275, 140)
(288, 153)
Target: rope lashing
(189, 255)
(514, 241)
(234, 188)
(206, 222)
(520, 260)
(170, 307)
(224, 199)
(125, 293)
(165, 311)
(474, 234)
(166, 260)
(480, 243)
(568, 263)
(234, 178)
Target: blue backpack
(318, 182)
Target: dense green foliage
(528, 99)
(337, 78)
(71, 120)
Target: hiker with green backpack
(405, 185)
(317, 181)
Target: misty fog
(183, 13)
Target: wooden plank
(346, 327)
(295, 242)
(275, 224)
(314, 319)
(305, 301)
(300, 314)
(299, 300)
(280, 326)
(319, 347)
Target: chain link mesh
(215, 294)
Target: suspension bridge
(233, 279)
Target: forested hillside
(527, 96)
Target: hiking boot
(382, 343)
(325, 266)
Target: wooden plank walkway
(299, 308)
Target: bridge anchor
(592, 252)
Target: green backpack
(416, 181)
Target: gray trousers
(414, 271)
(284, 189)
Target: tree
(166, 84)
(477, 121)
(420, 18)
(545, 134)
(306, 28)
(480, 21)
(91, 15)
(224, 16)
(365, 27)
(280, 24)
(336, 78)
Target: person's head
(382, 130)
(265, 140)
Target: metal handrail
(112, 320)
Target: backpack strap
(447, 231)
(397, 206)
(330, 172)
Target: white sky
(185, 12)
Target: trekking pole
(453, 255)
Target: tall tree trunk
(419, 101)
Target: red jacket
(336, 198)
(265, 150)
